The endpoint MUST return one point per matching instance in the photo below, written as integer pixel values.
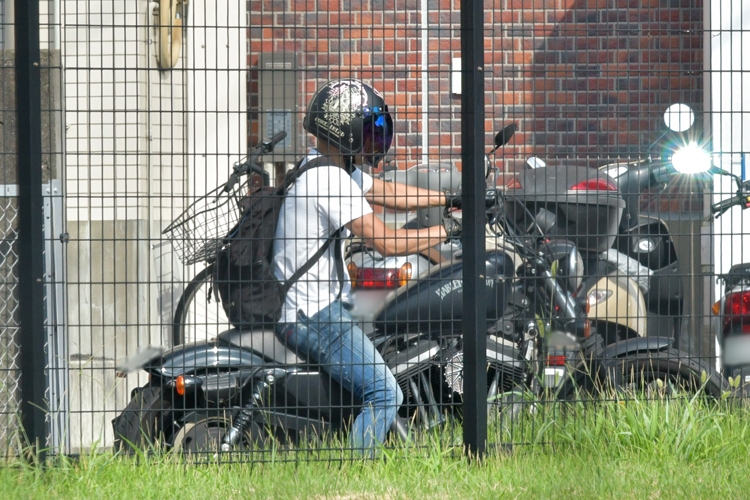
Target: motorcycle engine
(453, 370)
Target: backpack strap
(334, 238)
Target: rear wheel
(146, 423)
(203, 435)
(668, 373)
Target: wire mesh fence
(613, 249)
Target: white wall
(217, 129)
(730, 119)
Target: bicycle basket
(198, 232)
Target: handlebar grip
(277, 138)
(724, 205)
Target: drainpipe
(56, 25)
(9, 29)
(425, 83)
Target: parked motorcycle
(585, 207)
(733, 307)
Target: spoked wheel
(145, 423)
(204, 435)
(198, 315)
(665, 374)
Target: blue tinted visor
(377, 135)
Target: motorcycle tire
(665, 373)
(202, 435)
(198, 314)
(144, 423)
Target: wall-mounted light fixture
(171, 13)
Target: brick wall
(587, 80)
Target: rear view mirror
(534, 162)
(503, 137)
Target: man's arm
(402, 196)
(388, 241)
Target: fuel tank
(434, 302)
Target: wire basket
(199, 231)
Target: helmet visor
(377, 135)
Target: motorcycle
(589, 205)
(733, 307)
(242, 388)
(633, 279)
(385, 289)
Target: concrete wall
(141, 142)
(125, 132)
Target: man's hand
(452, 225)
(453, 199)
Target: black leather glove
(453, 199)
(452, 225)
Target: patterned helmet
(353, 117)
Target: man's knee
(394, 394)
(399, 396)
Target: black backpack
(243, 276)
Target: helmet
(353, 117)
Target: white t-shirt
(322, 200)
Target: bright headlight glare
(691, 159)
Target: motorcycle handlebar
(724, 205)
(251, 165)
(277, 138)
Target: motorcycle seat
(264, 342)
(737, 274)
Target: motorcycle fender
(624, 304)
(191, 358)
(634, 345)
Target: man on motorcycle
(352, 126)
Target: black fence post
(31, 225)
(473, 240)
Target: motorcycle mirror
(614, 170)
(503, 137)
(534, 162)
(679, 117)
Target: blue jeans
(332, 339)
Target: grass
(617, 449)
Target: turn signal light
(716, 308)
(180, 385)
(374, 278)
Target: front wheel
(199, 316)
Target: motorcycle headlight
(691, 159)
(571, 266)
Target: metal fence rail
(147, 106)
